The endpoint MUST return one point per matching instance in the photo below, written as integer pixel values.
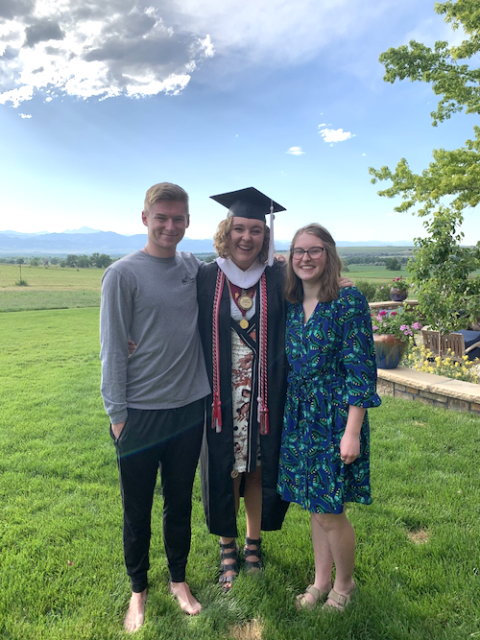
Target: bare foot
(188, 604)
(136, 612)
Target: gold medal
(244, 323)
(245, 302)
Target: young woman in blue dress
(324, 459)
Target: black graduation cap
(248, 203)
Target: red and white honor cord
(262, 410)
(216, 404)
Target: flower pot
(398, 295)
(389, 350)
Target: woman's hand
(131, 347)
(345, 282)
(350, 442)
(349, 447)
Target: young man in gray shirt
(154, 398)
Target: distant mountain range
(88, 241)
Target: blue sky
(100, 100)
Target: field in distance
(48, 288)
(67, 288)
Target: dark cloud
(160, 51)
(97, 9)
(139, 44)
(134, 25)
(10, 9)
(42, 31)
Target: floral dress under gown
(331, 366)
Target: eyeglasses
(313, 253)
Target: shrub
(368, 289)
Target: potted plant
(399, 289)
(392, 331)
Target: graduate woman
(324, 460)
(242, 324)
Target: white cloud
(106, 49)
(142, 47)
(296, 151)
(335, 135)
(24, 115)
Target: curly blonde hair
(220, 240)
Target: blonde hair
(328, 288)
(220, 240)
(165, 191)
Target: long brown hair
(328, 285)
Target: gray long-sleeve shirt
(153, 301)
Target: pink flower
(416, 326)
(374, 327)
(393, 313)
(382, 313)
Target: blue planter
(398, 295)
(389, 351)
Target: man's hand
(131, 347)
(117, 429)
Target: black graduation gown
(217, 458)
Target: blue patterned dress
(331, 366)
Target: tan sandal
(301, 602)
(341, 601)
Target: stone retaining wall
(428, 388)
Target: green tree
(442, 268)
(101, 260)
(83, 262)
(393, 264)
(71, 260)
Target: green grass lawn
(61, 567)
(52, 288)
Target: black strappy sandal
(252, 566)
(228, 551)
